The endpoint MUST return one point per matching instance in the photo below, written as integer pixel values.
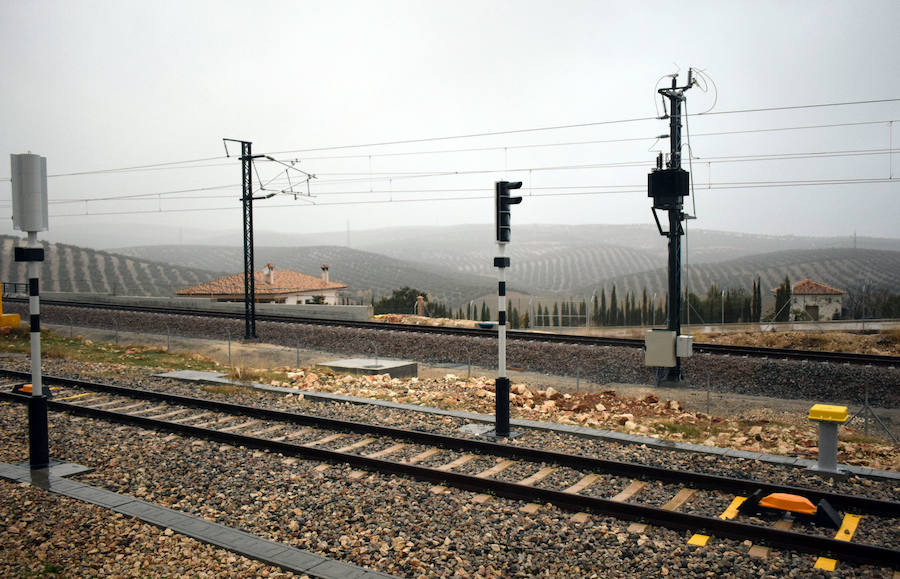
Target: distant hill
(455, 264)
(67, 268)
(561, 259)
(841, 268)
(421, 243)
(360, 270)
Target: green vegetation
(56, 346)
(782, 301)
(404, 301)
(224, 389)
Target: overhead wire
(577, 125)
(593, 191)
(275, 180)
(173, 164)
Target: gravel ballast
(730, 374)
(392, 524)
(47, 534)
(384, 522)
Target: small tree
(604, 316)
(402, 301)
(783, 301)
(754, 300)
(613, 307)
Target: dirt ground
(258, 355)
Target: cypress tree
(555, 316)
(604, 316)
(613, 307)
(782, 301)
(644, 311)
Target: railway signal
(501, 386)
(29, 201)
(501, 206)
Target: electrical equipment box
(660, 345)
(684, 346)
(29, 192)
(668, 187)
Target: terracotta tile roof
(284, 281)
(809, 287)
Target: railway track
(581, 484)
(713, 349)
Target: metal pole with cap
(29, 204)
(501, 386)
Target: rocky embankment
(790, 379)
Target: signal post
(29, 201)
(502, 202)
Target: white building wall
(829, 306)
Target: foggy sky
(102, 85)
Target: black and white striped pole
(501, 262)
(29, 201)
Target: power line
(578, 125)
(592, 191)
(382, 176)
(131, 168)
(142, 195)
(795, 107)
(587, 142)
(367, 177)
(466, 136)
(172, 164)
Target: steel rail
(844, 550)
(714, 349)
(699, 480)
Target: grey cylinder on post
(829, 418)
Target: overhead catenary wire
(174, 164)
(713, 186)
(365, 177)
(274, 181)
(578, 125)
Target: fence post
(168, 338)
(228, 333)
(116, 322)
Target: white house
(279, 287)
(811, 300)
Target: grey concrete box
(372, 366)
